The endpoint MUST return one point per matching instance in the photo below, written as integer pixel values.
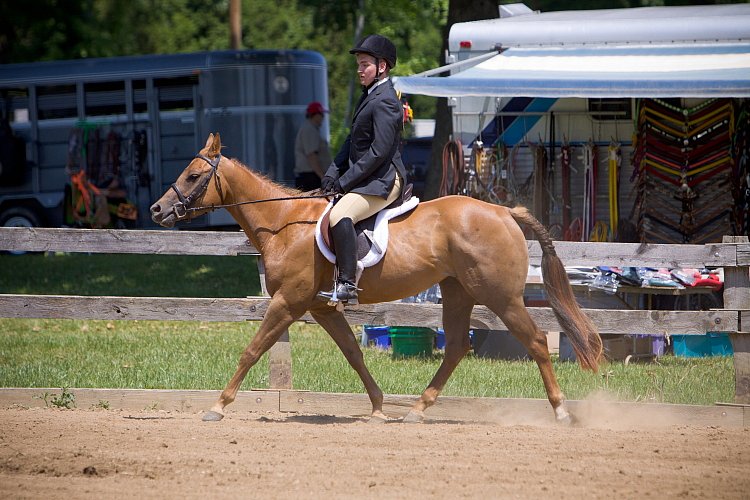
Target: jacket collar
(370, 93)
(377, 84)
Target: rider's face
(366, 69)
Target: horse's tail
(583, 335)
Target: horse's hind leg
(338, 328)
(277, 319)
(457, 306)
(520, 324)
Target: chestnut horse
(476, 251)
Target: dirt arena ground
(54, 453)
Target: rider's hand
(337, 187)
(327, 183)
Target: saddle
(372, 233)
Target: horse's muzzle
(166, 218)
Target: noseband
(182, 207)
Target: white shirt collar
(379, 82)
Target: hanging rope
(599, 232)
(589, 189)
(453, 168)
(574, 232)
(500, 174)
(565, 153)
(541, 195)
(614, 156)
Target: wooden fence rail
(733, 255)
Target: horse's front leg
(338, 328)
(277, 319)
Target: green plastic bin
(411, 341)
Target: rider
(367, 170)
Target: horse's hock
(733, 255)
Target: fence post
(737, 297)
(280, 354)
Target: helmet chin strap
(377, 74)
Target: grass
(123, 354)
(197, 355)
(129, 275)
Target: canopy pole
(473, 60)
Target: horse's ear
(213, 144)
(214, 148)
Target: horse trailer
(93, 142)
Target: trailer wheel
(19, 217)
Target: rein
(182, 208)
(285, 198)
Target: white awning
(669, 70)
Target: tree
(235, 24)
(43, 30)
(72, 29)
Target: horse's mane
(289, 191)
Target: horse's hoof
(212, 416)
(377, 419)
(566, 421)
(414, 417)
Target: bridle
(182, 207)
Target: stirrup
(342, 293)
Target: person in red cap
(368, 170)
(311, 153)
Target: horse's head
(193, 193)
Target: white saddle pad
(379, 235)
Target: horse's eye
(193, 177)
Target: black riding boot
(345, 243)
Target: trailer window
(610, 109)
(57, 101)
(176, 94)
(104, 98)
(14, 105)
(139, 96)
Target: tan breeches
(358, 207)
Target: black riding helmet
(377, 46)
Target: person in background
(368, 170)
(311, 154)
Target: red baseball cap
(314, 108)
